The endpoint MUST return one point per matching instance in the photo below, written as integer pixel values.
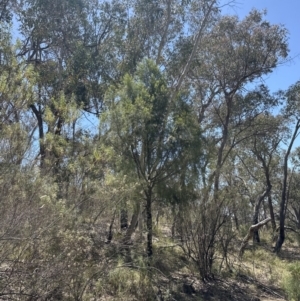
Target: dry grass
(258, 276)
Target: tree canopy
(119, 116)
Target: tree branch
(250, 234)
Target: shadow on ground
(242, 288)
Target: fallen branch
(259, 284)
(250, 234)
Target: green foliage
(109, 106)
(143, 120)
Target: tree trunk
(124, 219)
(141, 224)
(236, 221)
(281, 235)
(39, 118)
(266, 160)
(271, 212)
(220, 158)
(149, 221)
(256, 213)
(132, 226)
(110, 233)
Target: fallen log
(250, 234)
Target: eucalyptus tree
(82, 47)
(266, 148)
(48, 30)
(155, 27)
(292, 207)
(235, 53)
(64, 41)
(291, 111)
(259, 163)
